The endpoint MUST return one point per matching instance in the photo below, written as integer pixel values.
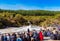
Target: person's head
(13, 33)
(54, 28)
(56, 32)
(17, 35)
(40, 30)
(28, 30)
(33, 31)
(4, 34)
(51, 32)
(47, 29)
(43, 30)
(7, 34)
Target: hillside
(16, 18)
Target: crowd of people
(30, 35)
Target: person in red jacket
(40, 36)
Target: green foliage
(16, 18)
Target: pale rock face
(24, 29)
(20, 29)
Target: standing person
(0, 36)
(11, 37)
(24, 37)
(21, 36)
(40, 36)
(54, 30)
(14, 36)
(8, 36)
(45, 33)
(52, 36)
(48, 33)
(35, 35)
(18, 38)
(28, 31)
(58, 36)
(55, 35)
(28, 37)
(4, 37)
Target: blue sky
(30, 4)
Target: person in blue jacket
(4, 38)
